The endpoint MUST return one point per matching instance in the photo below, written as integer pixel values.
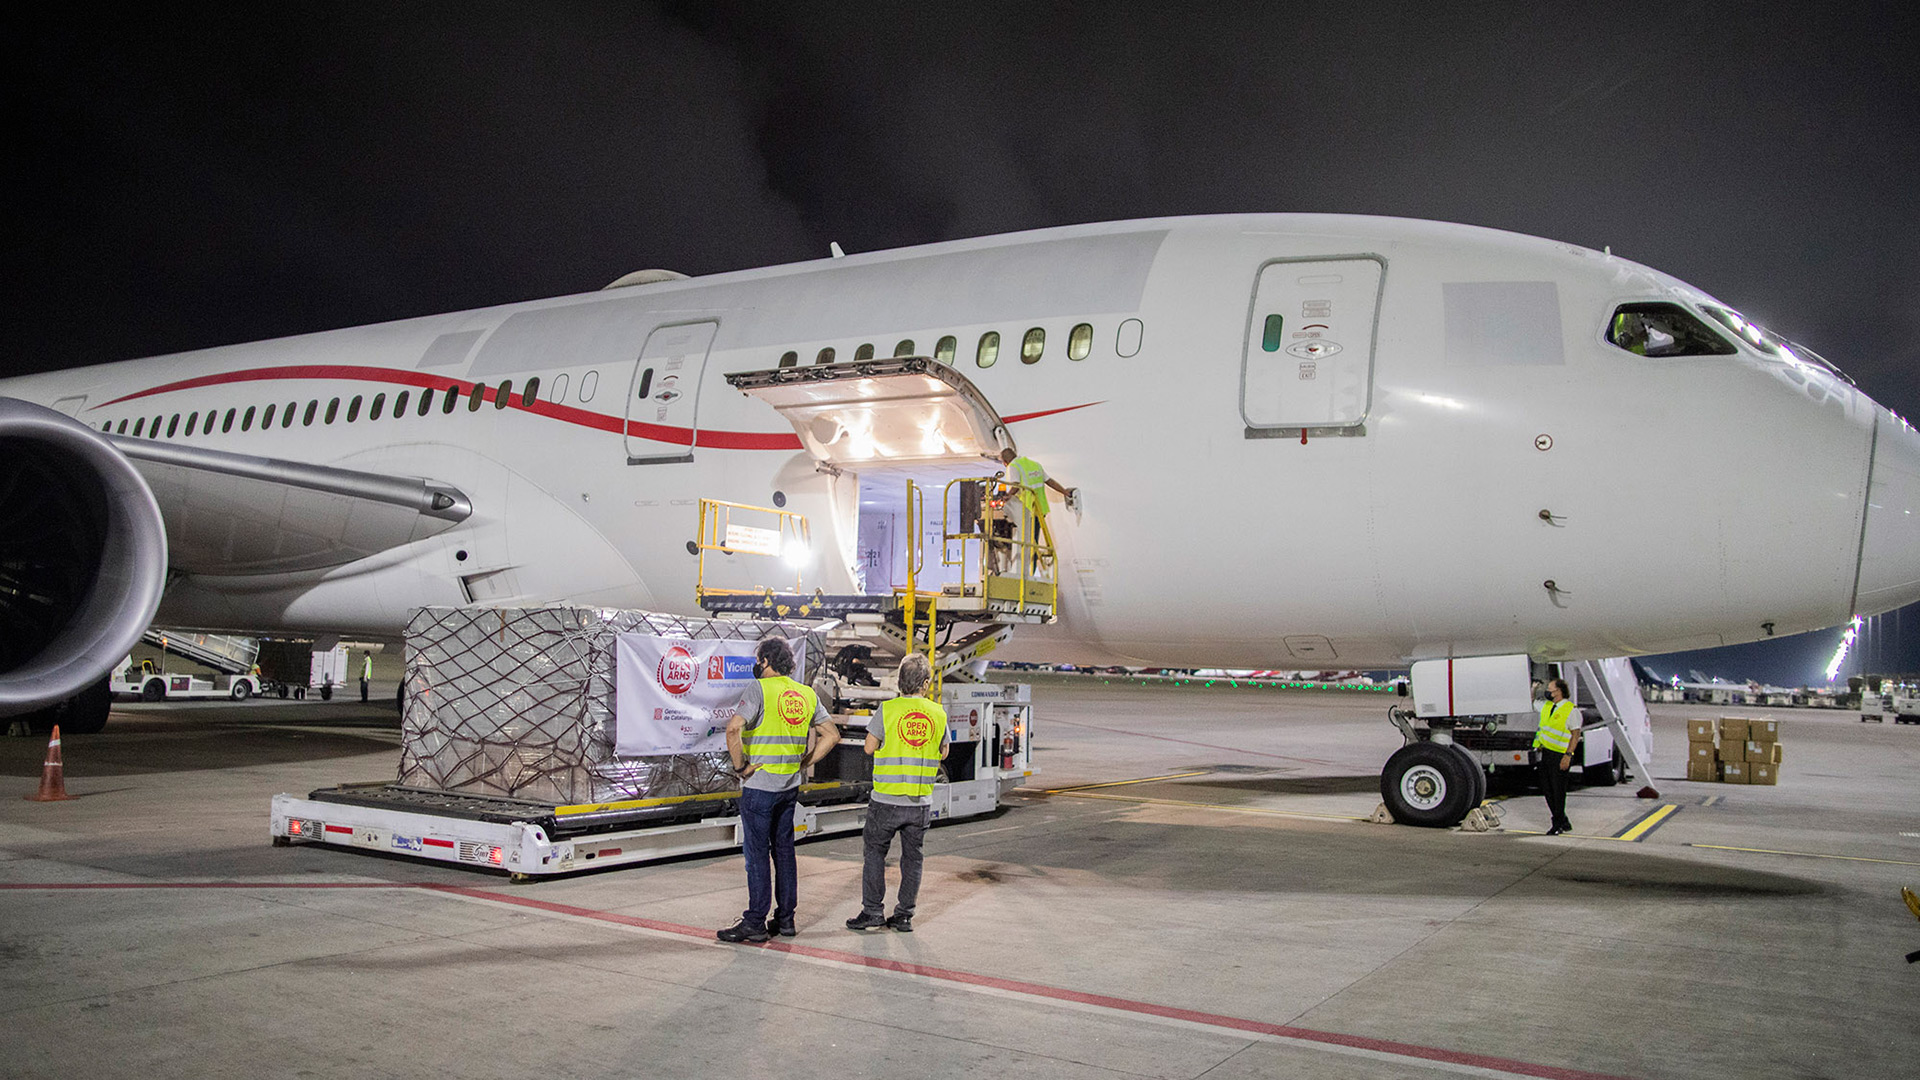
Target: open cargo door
(898, 410)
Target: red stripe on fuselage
(719, 440)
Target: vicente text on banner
(675, 696)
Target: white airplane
(1301, 441)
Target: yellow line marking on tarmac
(1121, 783)
(1804, 854)
(1568, 835)
(1077, 794)
(1647, 824)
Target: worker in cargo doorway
(778, 729)
(907, 741)
(366, 673)
(1031, 482)
(1555, 740)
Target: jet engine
(83, 559)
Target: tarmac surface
(1203, 901)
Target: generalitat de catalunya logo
(677, 671)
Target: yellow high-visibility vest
(909, 754)
(1553, 733)
(1032, 481)
(778, 742)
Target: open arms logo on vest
(677, 671)
(793, 707)
(916, 729)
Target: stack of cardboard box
(1747, 751)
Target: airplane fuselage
(1493, 441)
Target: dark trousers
(883, 820)
(363, 689)
(766, 826)
(1553, 784)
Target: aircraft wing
(235, 514)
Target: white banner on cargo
(674, 696)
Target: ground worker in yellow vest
(1025, 476)
(907, 741)
(1558, 735)
(778, 729)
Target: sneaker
(865, 921)
(742, 931)
(784, 929)
(901, 923)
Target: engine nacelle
(83, 557)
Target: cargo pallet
(992, 753)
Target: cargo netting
(519, 702)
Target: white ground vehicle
(149, 683)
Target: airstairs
(1616, 694)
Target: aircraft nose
(1890, 547)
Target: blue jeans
(766, 826)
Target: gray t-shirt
(748, 708)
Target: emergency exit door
(663, 398)
(1309, 345)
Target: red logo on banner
(916, 728)
(677, 672)
(793, 707)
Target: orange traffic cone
(53, 779)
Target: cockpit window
(1655, 329)
(1768, 343)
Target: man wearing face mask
(778, 729)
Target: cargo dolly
(989, 727)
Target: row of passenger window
(197, 423)
(1032, 344)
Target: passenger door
(1308, 360)
(663, 399)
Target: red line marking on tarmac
(1189, 742)
(222, 885)
(1285, 1031)
(967, 978)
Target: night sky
(256, 171)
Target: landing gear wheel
(283, 691)
(1427, 784)
(153, 690)
(1475, 774)
(85, 713)
(242, 690)
(1607, 775)
(326, 692)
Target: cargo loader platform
(528, 839)
(989, 730)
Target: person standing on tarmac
(1555, 740)
(778, 729)
(906, 741)
(366, 673)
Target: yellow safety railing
(741, 529)
(917, 562)
(986, 560)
